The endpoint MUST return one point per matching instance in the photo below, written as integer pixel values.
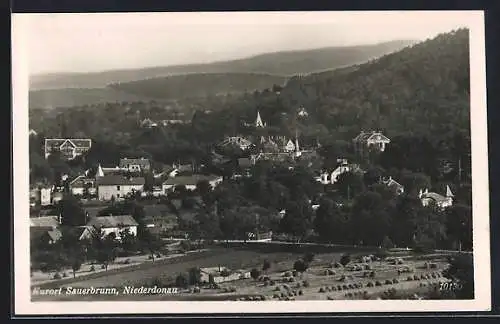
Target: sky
(106, 41)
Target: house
(135, 165)
(331, 177)
(183, 167)
(393, 184)
(302, 112)
(427, 198)
(190, 182)
(68, 147)
(82, 185)
(57, 196)
(239, 141)
(45, 196)
(289, 147)
(115, 186)
(85, 232)
(374, 139)
(42, 235)
(148, 123)
(166, 171)
(114, 224)
(222, 274)
(245, 163)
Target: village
(168, 227)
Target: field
(322, 280)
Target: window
(117, 187)
(117, 195)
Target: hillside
(69, 97)
(279, 63)
(199, 85)
(422, 88)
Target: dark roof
(190, 180)
(156, 210)
(365, 136)
(36, 233)
(112, 221)
(244, 162)
(142, 162)
(113, 180)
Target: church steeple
(258, 121)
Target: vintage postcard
(250, 162)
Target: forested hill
(422, 88)
(279, 63)
(199, 85)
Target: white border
(474, 20)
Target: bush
(415, 277)
(277, 288)
(370, 284)
(64, 275)
(378, 283)
(291, 279)
(308, 257)
(330, 298)
(103, 266)
(337, 265)
(433, 265)
(226, 273)
(321, 290)
(92, 268)
(388, 282)
(254, 273)
(372, 274)
(410, 278)
(301, 292)
(345, 259)
(287, 274)
(266, 265)
(305, 283)
(333, 288)
(395, 281)
(368, 267)
(56, 276)
(276, 296)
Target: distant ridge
(283, 63)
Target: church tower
(258, 121)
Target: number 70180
(450, 286)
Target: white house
(80, 184)
(442, 202)
(374, 139)
(289, 147)
(45, 196)
(68, 147)
(114, 224)
(190, 182)
(239, 141)
(117, 187)
(394, 185)
(258, 121)
(303, 112)
(331, 177)
(135, 165)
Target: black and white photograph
(242, 162)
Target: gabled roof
(116, 180)
(392, 183)
(373, 136)
(190, 180)
(75, 142)
(112, 221)
(80, 181)
(435, 196)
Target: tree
(266, 265)
(461, 272)
(350, 184)
(296, 220)
(181, 281)
(128, 240)
(76, 265)
(308, 257)
(150, 242)
(459, 225)
(194, 276)
(71, 211)
(254, 273)
(300, 265)
(345, 259)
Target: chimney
(59, 219)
